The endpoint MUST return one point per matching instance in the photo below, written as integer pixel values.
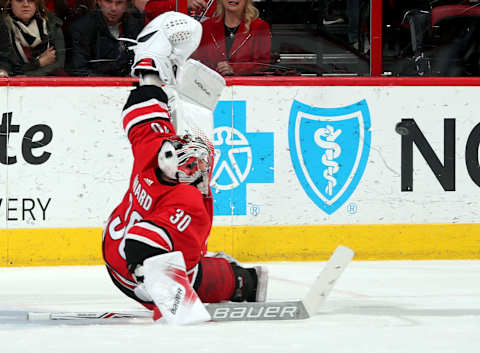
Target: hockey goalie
(155, 241)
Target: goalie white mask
(187, 161)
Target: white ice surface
(376, 307)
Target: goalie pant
(156, 217)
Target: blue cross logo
(241, 157)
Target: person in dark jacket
(5, 54)
(97, 48)
(34, 37)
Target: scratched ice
(376, 307)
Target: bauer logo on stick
(278, 312)
(329, 148)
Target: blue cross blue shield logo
(329, 148)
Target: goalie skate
(262, 283)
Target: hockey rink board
(299, 170)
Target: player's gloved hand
(184, 34)
(167, 40)
(153, 51)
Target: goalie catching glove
(167, 40)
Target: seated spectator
(418, 17)
(201, 10)
(35, 38)
(5, 52)
(420, 24)
(69, 10)
(358, 18)
(236, 41)
(97, 48)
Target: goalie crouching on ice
(155, 241)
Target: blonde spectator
(236, 41)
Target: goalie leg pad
(215, 282)
(167, 283)
(220, 280)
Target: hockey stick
(247, 311)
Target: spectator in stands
(236, 41)
(5, 53)
(97, 48)
(358, 18)
(420, 22)
(69, 10)
(35, 38)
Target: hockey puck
(402, 129)
(38, 316)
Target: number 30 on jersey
(181, 219)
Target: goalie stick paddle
(325, 281)
(246, 311)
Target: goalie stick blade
(108, 315)
(325, 281)
(248, 311)
(291, 310)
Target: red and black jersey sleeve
(145, 116)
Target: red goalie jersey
(157, 216)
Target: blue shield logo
(329, 148)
